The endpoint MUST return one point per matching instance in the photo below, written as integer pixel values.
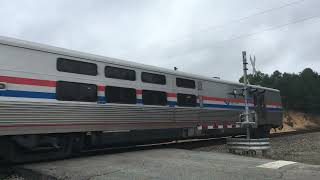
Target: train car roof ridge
(81, 55)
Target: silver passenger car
(48, 92)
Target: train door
(260, 106)
(200, 94)
(186, 110)
(202, 120)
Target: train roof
(87, 56)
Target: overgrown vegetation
(300, 92)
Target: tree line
(300, 92)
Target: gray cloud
(198, 36)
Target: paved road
(170, 164)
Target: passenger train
(56, 102)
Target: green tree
(298, 91)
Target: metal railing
(248, 146)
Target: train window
(187, 100)
(154, 97)
(78, 67)
(185, 83)
(71, 91)
(120, 73)
(153, 78)
(120, 95)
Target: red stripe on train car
(171, 94)
(101, 88)
(223, 99)
(27, 81)
(138, 91)
(275, 104)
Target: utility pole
(245, 91)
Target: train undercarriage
(40, 147)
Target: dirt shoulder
(295, 121)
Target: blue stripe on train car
(102, 100)
(223, 106)
(139, 101)
(28, 94)
(172, 103)
(31, 94)
(235, 107)
(275, 109)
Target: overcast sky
(204, 37)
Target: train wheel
(14, 153)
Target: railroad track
(179, 144)
(273, 135)
(186, 144)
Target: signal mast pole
(247, 120)
(245, 91)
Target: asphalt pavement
(173, 164)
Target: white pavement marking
(276, 164)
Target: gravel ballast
(304, 148)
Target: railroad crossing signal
(253, 64)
